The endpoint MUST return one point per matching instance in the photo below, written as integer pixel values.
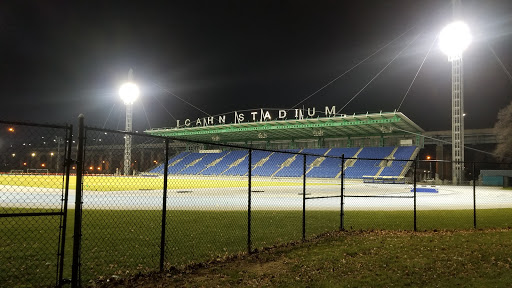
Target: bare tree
(503, 129)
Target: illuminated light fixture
(13, 154)
(33, 154)
(24, 163)
(129, 92)
(428, 157)
(454, 39)
(90, 168)
(51, 154)
(11, 129)
(43, 165)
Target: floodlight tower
(453, 40)
(129, 92)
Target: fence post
(69, 139)
(414, 177)
(474, 196)
(249, 187)
(342, 197)
(77, 234)
(164, 207)
(304, 199)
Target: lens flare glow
(454, 39)
(129, 92)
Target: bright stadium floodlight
(454, 39)
(129, 92)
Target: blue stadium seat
(206, 159)
(396, 168)
(227, 160)
(177, 167)
(295, 169)
(366, 166)
(160, 168)
(273, 163)
(223, 163)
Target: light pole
(59, 141)
(429, 167)
(453, 40)
(129, 92)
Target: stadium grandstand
(371, 143)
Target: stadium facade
(364, 138)
(363, 130)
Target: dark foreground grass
(476, 258)
(126, 242)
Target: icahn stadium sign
(260, 115)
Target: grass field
(125, 242)
(361, 259)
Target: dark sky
(63, 58)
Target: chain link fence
(206, 197)
(385, 200)
(122, 208)
(33, 202)
(160, 203)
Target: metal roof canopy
(363, 125)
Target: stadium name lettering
(261, 115)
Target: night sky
(63, 58)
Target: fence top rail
(376, 159)
(18, 123)
(123, 132)
(465, 162)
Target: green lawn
(125, 242)
(475, 258)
